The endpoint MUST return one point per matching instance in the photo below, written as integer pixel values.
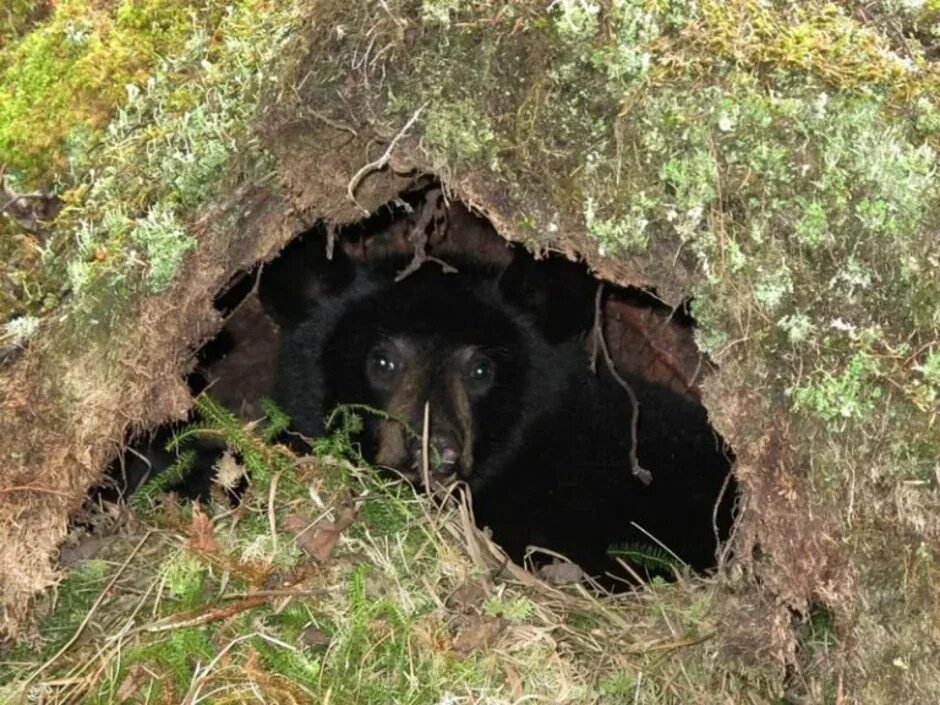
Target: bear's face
(402, 371)
(434, 340)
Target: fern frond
(145, 496)
(646, 555)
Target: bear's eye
(383, 363)
(481, 370)
(383, 367)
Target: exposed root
(382, 161)
(431, 220)
(600, 343)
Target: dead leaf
(133, 683)
(318, 542)
(477, 633)
(468, 597)
(201, 534)
(314, 639)
(561, 573)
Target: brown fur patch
(449, 404)
(404, 404)
(463, 416)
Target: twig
(673, 645)
(658, 542)
(426, 449)
(90, 614)
(639, 472)
(192, 696)
(629, 568)
(201, 617)
(726, 549)
(330, 240)
(33, 488)
(28, 216)
(380, 163)
(420, 238)
(252, 292)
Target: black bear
(544, 444)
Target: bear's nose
(445, 454)
(447, 451)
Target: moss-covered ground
(131, 112)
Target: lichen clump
(132, 112)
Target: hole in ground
(569, 409)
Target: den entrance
(565, 411)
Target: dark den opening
(567, 408)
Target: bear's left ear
(556, 292)
(293, 282)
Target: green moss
(17, 17)
(160, 236)
(184, 576)
(848, 394)
(72, 71)
(166, 152)
(178, 121)
(462, 137)
(516, 610)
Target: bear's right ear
(293, 282)
(556, 292)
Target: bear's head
(463, 345)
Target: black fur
(552, 439)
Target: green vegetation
(136, 120)
(66, 77)
(204, 599)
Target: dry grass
(412, 604)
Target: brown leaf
(314, 639)
(201, 534)
(133, 683)
(467, 598)
(319, 542)
(561, 573)
(478, 633)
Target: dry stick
(34, 488)
(419, 237)
(380, 163)
(272, 516)
(199, 617)
(727, 547)
(26, 218)
(629, 568)
(91, 612)
(639, 472)
(20, 197)
(425, 449)
(112, 645)
(200, 676)
(657, 541)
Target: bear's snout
(445, 453)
